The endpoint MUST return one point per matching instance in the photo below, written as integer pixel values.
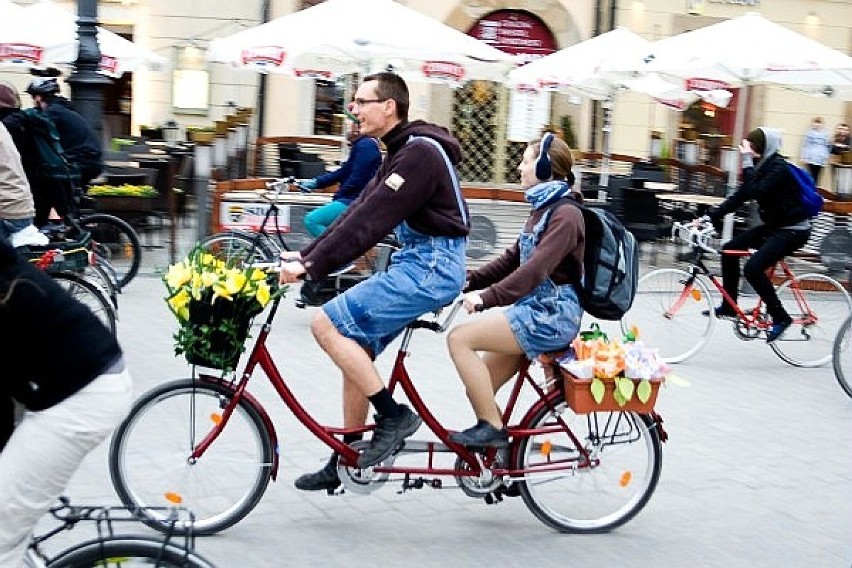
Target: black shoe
(388, 435)
(722, 312)
(482, 435)
(326, 478)
(778, 328)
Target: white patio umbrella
(44, 35)
(339, 37)
(749, 50)
(599, 68)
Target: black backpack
(610, 263)
(50, 159)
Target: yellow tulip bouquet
(214, 302)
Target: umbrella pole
(739, 126)
(607, 133)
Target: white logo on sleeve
(395, 181)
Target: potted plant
(612, 375)
(201, 134)
(126, 197)
(214, 302)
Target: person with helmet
(77, 136)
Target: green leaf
(643, 391)
(619, 398)
(598, 390)
(594, 333)
(677, 380)
(624, 387)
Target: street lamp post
(86, 84)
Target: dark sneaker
(482, 435)
(722, 312)
(388, 435)
(326, 478)
(777, 330)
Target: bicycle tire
(149, 465)
(88, 294)
(116, 241)
(120, 551)
(587, 499)
(233, 246)
(99, 276)
(842, 356)
(668, 316)
(812, 345)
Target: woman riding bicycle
(544, 313)
(75, 389)
(786, 225)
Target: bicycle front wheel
(150, 464)
(239, 247)
(842, 356)
(116, 241)
(667, 311)
(88, 294)
(126, 552)
(588, 473)
(818, 305)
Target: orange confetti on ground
(216, 418)
(545, 448)
(696, 294)
(625, 479)
(174, 498)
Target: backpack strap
(540, 227)
(451, 169)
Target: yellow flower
(257, 275)
(178, 275)
(208, 279)
(263, 295)
(180, 304)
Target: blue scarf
(545, 193)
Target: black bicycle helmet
(43, 86)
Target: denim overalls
(548, 318)
(426, 274)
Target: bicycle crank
(362, 481)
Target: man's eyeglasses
(362, 102)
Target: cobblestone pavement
(755, 473)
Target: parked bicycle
(671, 306)
(207, 442)
(841, 354)
(110, 548)
(266, 244)
(74, 266)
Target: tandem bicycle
(207, 443)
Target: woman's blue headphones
(543, 171)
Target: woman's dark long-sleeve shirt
(363, 163)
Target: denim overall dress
(548, 318)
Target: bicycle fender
(253, 402)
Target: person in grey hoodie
(416, 195)
(786, 225)
(16, 200)
(816, 147)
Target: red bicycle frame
(399, 376)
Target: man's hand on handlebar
(290, 256)
(472, 302)
(291, 272)
(306, 185)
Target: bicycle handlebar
(696, 234)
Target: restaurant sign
(517, 32)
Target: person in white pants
(75, 390)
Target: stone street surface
(756, 471)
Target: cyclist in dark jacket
(78, 138)
(786, 225)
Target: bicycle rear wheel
(116, 241)
(668, 314)
(239, 247)
(88, 294)
(150, 465)
(842, 356)
(574, 494)
(126, 552)
(811, 343)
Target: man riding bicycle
(786, 225)
(415, 194)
